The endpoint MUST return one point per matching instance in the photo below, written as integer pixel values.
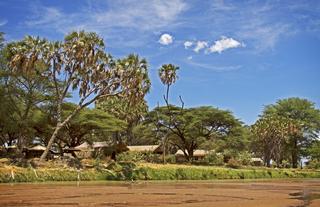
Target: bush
(139, 156)
(171, 159)
(130, 157)
(314, 164)
(244, 158)
(285, 164)
(233, 163)
(214, 159)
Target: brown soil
(297, 193)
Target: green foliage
(167, 172)
(138, 157)
(272, 133)
(233, 163)
(194, 127)
(314, 150)
(214, 159)
(244, 158)
(303, 125)
(168, 74)
(314, 164)
(130, 171)
(78, 63)
(42, 175)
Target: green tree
(307, 123)
(190, 128)
(314, 151)
(78, 63)
(21, 95)
(87, 126)
(124, 109)
(272, 134)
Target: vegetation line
(130, 171)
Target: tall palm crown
(168, 74)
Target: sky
(234, 55)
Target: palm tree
(168, 76)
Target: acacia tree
(193, 127)
(86, 126)
(78, 63)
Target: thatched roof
(12, 147)
(83, 146)
(143, 148)
(256, 159)
(37, 148)
(87, 146)
(100, 144)
(196, 153)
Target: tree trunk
(294, 155)
(164, 152)
(59, 126)
(190, 157)
(52, 138)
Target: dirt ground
(185, 193)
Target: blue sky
(236, 55)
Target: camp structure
(197, 155)
(112, 150)
(157, 149)
(86, 150)
(35, 151)
(256, 161)
(83, 150)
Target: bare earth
(187, 193)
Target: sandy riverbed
(291, 193)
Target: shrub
(285, 164)
(130, 156)
(171, 159)
(214, 159)
(244, 158)
(314, 164)
(139, 156)
(233, 163)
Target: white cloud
(189, 58)
(165, 39)
(3, 22)
(223, 44)
(200, 45)
(187, 44)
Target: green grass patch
(145, 171)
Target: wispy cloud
(213, 68)
(111, 18)
(3, 22)
(261, 24)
